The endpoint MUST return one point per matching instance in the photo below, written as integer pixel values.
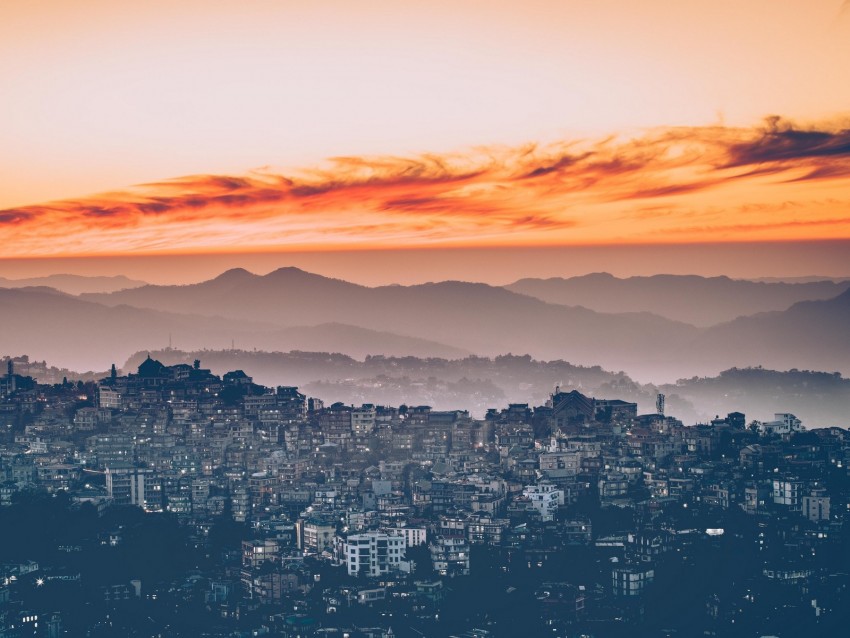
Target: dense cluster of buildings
(353, 516)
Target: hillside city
(424, 319)
(175, 502)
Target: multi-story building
(816, 506)
(335, 424)
(125, 484)
(113, 449)
(788, 493)
(363, 419)
(756, 497)
(373, 553)
(450, 556)
(783, 423)
(544, 499)
(108, 397)
(257, 552)
(631, 580)
(413, 536)
(315, 535)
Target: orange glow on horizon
(776, 182)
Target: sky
(406, 141)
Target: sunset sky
(360, 138)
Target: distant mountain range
(75, 284)
(84, 335)
(478, 318)
(292, 309)
(799, 280)
(700, 301)
(809, 334)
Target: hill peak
(289, 271)
(297, 275)
(598, 276)
(235, 274)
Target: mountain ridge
(75, 284)
(476, 317)
(92, 336)
(452, 317)
(699, 301)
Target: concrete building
(450, 556)
(631, 580)
(125, 484)
(315, 535)
(373, 553)
(788, 493)
(783, 423)
(816, 506)
(413, 536)
(108, 397)
(363, 419)
(545, 499)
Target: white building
(545, 499)
(783, 423)
(413, 536)
(373, 553)
(125, 484)
(788, 493)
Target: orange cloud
(676, 185)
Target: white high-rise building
(545, 498)
(373, 553)
(413, 536)
(125, 484)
